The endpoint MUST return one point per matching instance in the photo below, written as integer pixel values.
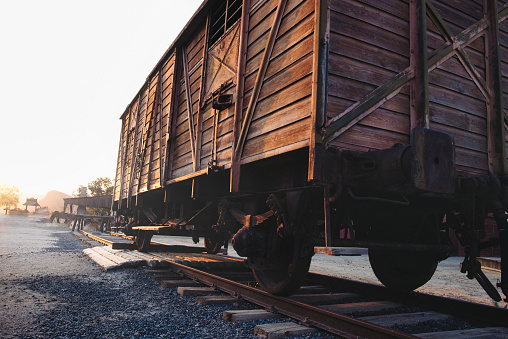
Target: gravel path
(49, 289)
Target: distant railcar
(299, 125)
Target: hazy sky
(68, 69)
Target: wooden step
(491, 264)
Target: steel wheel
(284, 276)
(142, 240)
(402, 270)
(213, 243)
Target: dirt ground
(447, 281)
(26, 252)
(48, 288)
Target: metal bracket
(473, 269)
(213, 168)
(222, 101)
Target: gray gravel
(49, 289)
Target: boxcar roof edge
(198, 14)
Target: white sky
(68, 69)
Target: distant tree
(101, 186)
(9, 196)
(96, 188)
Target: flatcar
(291, 126)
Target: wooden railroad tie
(389, 320)
(487, 332)
(180, 283)
(325, 299)
(157, 271)
(282, 330)
(248, 315)
(196, 291)
(313, 290)
(167, 276)
(370, 306)
(216, 300)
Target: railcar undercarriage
(400, 203)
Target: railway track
(343, 307)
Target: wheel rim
(213, 244)
(143, 240)
(284, 276)
(402, 270)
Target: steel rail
(343, 326)
(338, 324)
(464, 309)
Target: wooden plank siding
(381, 79)
(149, 142)
(141, 126)
(370, 46)
(189, 98)
(503, 51)
(281, 118)
(167, 85)
(454, 97)
(170, 129)
(144, 135)
(122, 148)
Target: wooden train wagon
(290, 124)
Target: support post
(260, 77)
(234, 179)
(173, 115)
(190, 114)
(319, 84)
(495, 113)
(419, 111)
(328, 225)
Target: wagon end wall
(386, 77)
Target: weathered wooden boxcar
(295, 125)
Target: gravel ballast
(50, 289)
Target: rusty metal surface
(433, 164)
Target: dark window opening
(224, 15)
